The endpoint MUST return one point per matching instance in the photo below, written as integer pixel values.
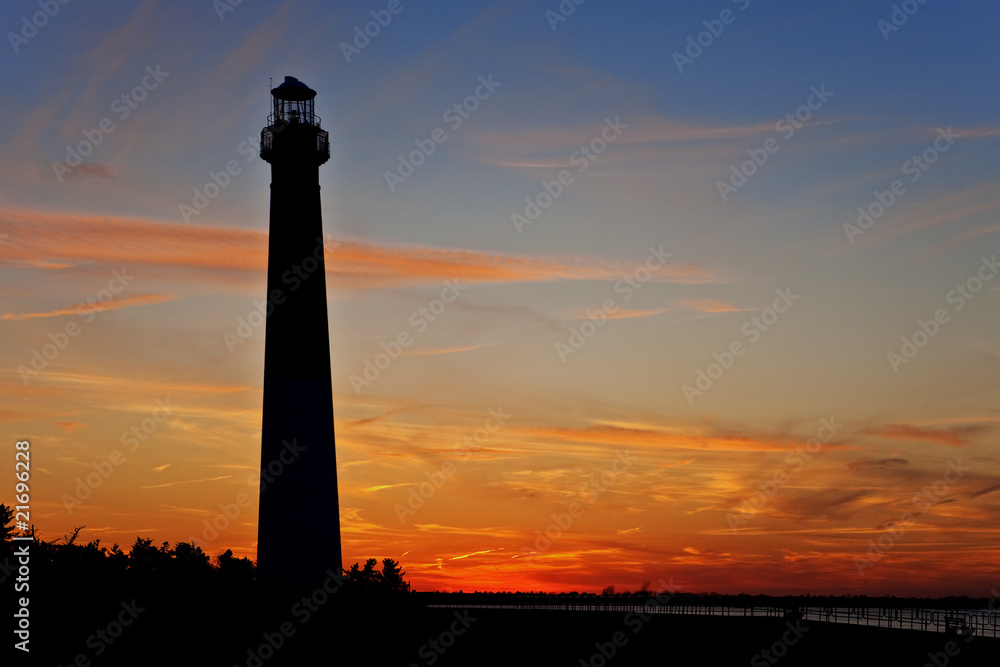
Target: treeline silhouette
(66, 560)
(157, 603)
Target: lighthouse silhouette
(298, 533)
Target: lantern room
(293, 102)
(293, 129)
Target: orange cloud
(709, 306)
(615, 435)
(69, 427)
(984, 132)
(948, 209)
(955, 436)
(963, 237)
(641, 132)
(620, 314)
(186, 481)
(35, 236)
(451, 350)
(95, 169)
(97, 306)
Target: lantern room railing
(267, 142)
(293, 117)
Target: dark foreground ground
(237, 629)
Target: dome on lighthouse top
(293, 90)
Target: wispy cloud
(984, 132)
(620, 314)
(94, 169)
(446, 350)
(954, 436)
(984, 491)
(97, 306)
(186, 481)
(51, 237)
(381, 487)
(69, 427)
(709, 306)
(475, 553)
(610, 435)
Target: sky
(702, 293)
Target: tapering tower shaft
(299, 521)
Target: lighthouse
(298, 531)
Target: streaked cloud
(97, 306)
(115, 241)
(982, 132)
(69, 427)
(954, 436)
(708, 306)
(185, 481)
(382, 487)
(619, 314)
(450, 350)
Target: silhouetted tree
(369, 579)
(234, 568)
(6, 523)
(392, 577)
(191, 561)
(145, 560)
(370, 576)
(6, 535)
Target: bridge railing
(983, 623)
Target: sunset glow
(581, 343)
